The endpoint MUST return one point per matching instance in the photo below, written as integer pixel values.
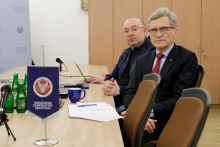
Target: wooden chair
(139, 110)
(186, 123)
(201, 74)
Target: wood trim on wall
(101, 33)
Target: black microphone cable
(61, 62)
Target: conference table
(70, 132)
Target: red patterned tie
(156, 68)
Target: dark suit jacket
(180, 71)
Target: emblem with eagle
(42, 87)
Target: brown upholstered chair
(139, 110)
(187, 120)
(198, 84)
(201, 74)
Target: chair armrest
(150, 144)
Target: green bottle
(14, 88)
(17, 78)
(25, 84)
(21, 100)
(9, 107)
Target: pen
(87, 105)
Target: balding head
(142, 24)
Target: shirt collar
(166, 52)
(141, 46)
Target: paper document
(94, 106)
(98, 111)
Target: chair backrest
(187, 120)
(139, 110)
(201, 74)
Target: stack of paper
(98, 111)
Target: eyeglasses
(163, 30)
(133, 30)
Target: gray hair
(163, 12)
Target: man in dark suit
(177, 66)
(115, 84)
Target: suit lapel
(149, 62)
(171, 58)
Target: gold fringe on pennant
(39, 119)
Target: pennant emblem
(43, 87)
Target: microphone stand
(4, 121)
(66, 67)
(3, 116)
(60, 67)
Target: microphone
(5, 90)
(61, 62)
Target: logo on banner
(20, 30)
(43, 87)
(19, 9)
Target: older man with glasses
(135, 35)
(177, 66)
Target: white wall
(62, 27)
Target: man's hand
(105, 74)
(150, 125)
(96, 79)
(110, 87)
(107, 86)
(123, 114)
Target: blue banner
(15, 48)
(42, 92)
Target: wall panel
(210, 50)
(189, 24)
(101, 33)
